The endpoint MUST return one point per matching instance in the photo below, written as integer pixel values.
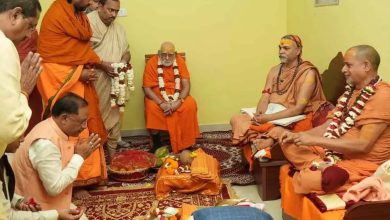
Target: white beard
(167, 63)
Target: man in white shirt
(27, 208)
(18, 19)
(49, 159)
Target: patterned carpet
(217, 144)
(134, 201)
(129, 202)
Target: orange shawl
(64, 36)
(64, 46)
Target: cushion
(231, 213)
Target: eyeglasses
(76, 118)
(169, 55)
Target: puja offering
(131, 165)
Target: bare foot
(263, 143)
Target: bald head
(367, 53)
(167, 47)
(167, 53)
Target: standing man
(68, 66)
(18, 19)
(109, 41)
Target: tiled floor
(250, 192)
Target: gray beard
(166, 64)
(282, 60)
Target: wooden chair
(267, 173)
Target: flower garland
(161, 84)
(121, 84)
(338, 126)
(344, 118)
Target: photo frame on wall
(318, 3)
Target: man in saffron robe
(65, 48)
(293, 83)
(109, 41)
(355, 140)
(168, 104)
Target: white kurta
(14, 113)
(45, 158)
(7, 212)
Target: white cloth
(7, 210)
(383, 172)
(45, 158)
(14, 113)
(110, 44)
(274, 108)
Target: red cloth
(35, 99)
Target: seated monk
(48, 161)
(294, 84)
(168, 104)
(354, 141)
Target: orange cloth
(94, 167)
(299, 206)
(28, 183)
(241, 123)
(64, 36)
(204, 178)
(186, 210)
(359, 166)
(302, 125)
(34, 100)
(182, 125)
(64, 46)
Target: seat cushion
(231, 213)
